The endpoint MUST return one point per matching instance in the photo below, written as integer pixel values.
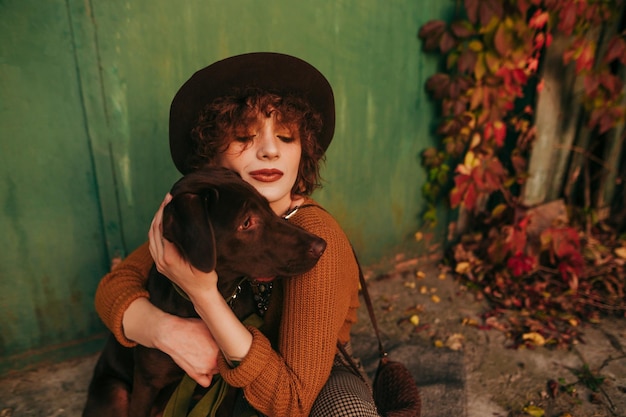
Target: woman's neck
(285, 207)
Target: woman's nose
(268, 146)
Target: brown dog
(217, 221)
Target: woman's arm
(121, 287)
(122, 302)
(229, 333)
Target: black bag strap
(383, 356)
(370, 309)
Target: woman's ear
(186, 224)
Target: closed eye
(286, 139)
(244, 139)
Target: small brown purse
(395, 391)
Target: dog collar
(230, 300)
(181, 292)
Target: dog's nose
(317, 248)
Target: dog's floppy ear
(186, 224)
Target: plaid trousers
(345, 394)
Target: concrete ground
(473, 374)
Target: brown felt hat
(273, 72)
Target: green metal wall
(85, 88)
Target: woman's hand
(187, 341)
(190, 344)
(170, 263)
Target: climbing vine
(541, 282)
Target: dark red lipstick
(266, 175)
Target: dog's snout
(317, 248)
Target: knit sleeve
(316, 306)
(120, 287)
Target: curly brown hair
(220, 121)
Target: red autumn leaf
(591, 85)
(586, 57)
(616, 50)
(521, 264)
(539, 41)
(611, 82)
(571, 267)
(449, 127)
(432, 27)
(494, 175)
(464, 192)
(467, 61)
(431, 32)
(470, 197)
(523, 6)
(501, 40)
(477, 97)
(539, 19)
(533, 64)
(566, 241)
(605, 118)
(457, 87)
(490, 9)
(540, 85)
(567, 18)
(447, 42)
(471, 6)
(497, 131)
(516, 241)
(438, 85)
(483, 10)
(462, 29)
(607, 121)
(519, 76)
(519, 162)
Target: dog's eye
(246, 224)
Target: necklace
(290, 212)
(262, 292)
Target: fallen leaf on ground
(455, 341)
(469, 322)
(462, 267)
(534, 337)
(534, 411)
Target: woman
(269, 117)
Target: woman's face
(266, 154)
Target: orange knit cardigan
(308, 314)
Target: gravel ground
(461, 370)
